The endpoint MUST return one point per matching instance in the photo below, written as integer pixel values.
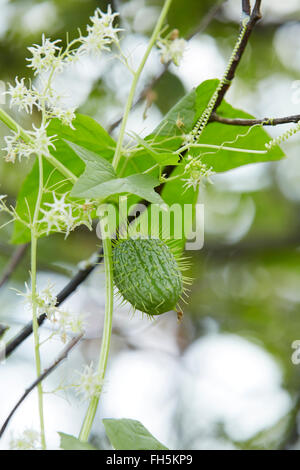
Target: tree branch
(254, 18)
(62, 356)
(246, 7)
(251, 122)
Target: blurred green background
(224, 377)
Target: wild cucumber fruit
(147, 274)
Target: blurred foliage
(248, 284)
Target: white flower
(103, 24)
(93, 44)
(60, 216)
(42, 141)
(44, 56)
(30, 100)
(59, 205)
(90, 383)
(61, 319)
(70, 221)
(66, 322)
(39, 144)
(21, 96)
(16, 148)
(28, 440)
(172, 50)
(76, 324)
(66, 116)
(52, 219)
(10, 149)
(101, 33)
(46, 301)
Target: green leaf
(99, 180)
(184, 110)
(68, 442)
(166, 158)
(104, 168)
(162, 158)
(88, 133)
(129, 434)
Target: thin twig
(251, 122)
(62, 356)
(13, 263)
(254, 18)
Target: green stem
(106, 336)
(34, 303)
(135, 80)
(14, 126)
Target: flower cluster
(28, 440)
(21, 96)
(171, 48)
(44, 57)
(101, 33)
(47, 60)
(197, 172)
(90, 383)
(65, 323)
(46, 302)
(38, 142)
(45, 100)
(65, 216)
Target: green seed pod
(147, 274)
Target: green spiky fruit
(147, 274)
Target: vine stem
(14, 126)
(135, 80)
(219, 147)
(106, 336)
(35, 324)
